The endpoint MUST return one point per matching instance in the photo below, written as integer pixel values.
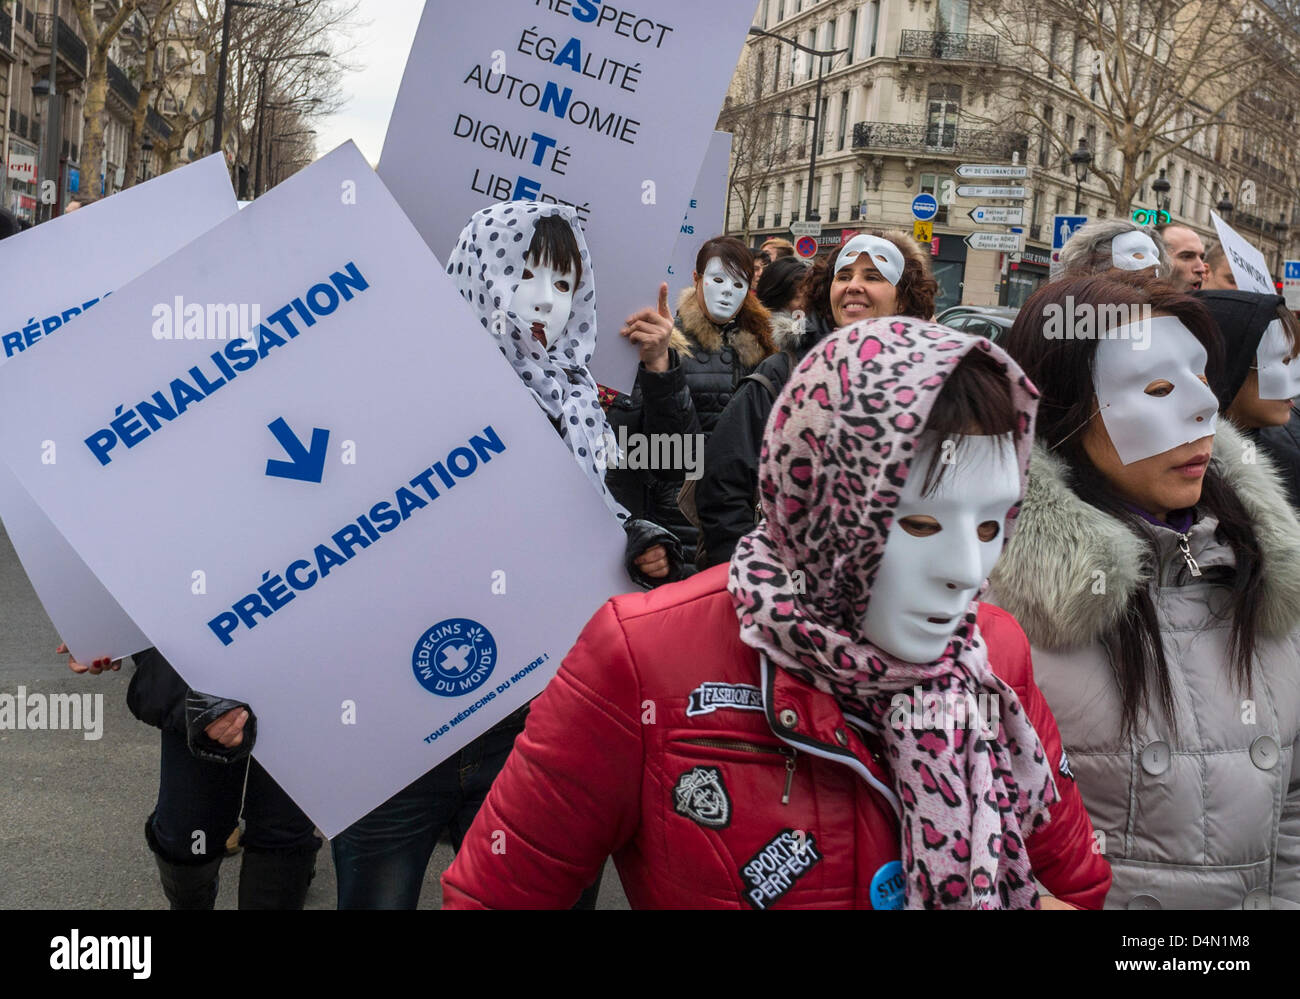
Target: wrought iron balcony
(157, 124)
(71, 48)
(121, 85)
(6, 31)
(948, 45)
(939, 140)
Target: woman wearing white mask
(1156, 571)
(873, 275)
(1105, 243)
(833, 720)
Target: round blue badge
(887, 886)
(454, 657)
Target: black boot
(187, 886)
(276, 879)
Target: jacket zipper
(789, 752)
(1184, 547)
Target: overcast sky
(381, 50)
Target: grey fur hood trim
(1046, 576)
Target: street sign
(922, 232)
(991, 170)
(805, 229)
(983, 191)
(806, 247)
(924, 207)
(1291, 283)
(1007, 242)
(997, 215)
(1063, 227)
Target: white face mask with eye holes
(1279, 372)
(724, 293)
(1134, 251)
(942, 546)
(1153, 400)
(543, 301)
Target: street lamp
(146, 148)
(1082, 159)
(1161, 188)
(219, 114)
(261, 106)
(816, 116)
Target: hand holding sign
(96, 666)
(650, 330)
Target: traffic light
(1144, 216)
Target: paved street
(72, 810)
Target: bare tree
(99, 34)
(760, 145)
(1156, 76)
(158, 15)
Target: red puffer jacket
(715, 780)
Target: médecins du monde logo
(454, 657)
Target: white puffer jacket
(1209, 818)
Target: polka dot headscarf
(486, 267)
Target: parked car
(982, 320)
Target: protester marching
(878, 567)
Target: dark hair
(916, 286)
(975, 401)
(554, 245)
(736, 258)
(779, 284)
(1063, 371)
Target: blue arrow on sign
(303, 464)
(1293, 270)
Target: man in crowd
(1186, 255)
(1218, 269)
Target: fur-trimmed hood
(1047, 577)
(752, 338)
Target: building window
(797, 204)
(852, 41)
(812, 44)
(804, 143)
(1069, 138)
(758, 76)
(780, 11)
(837, 182)
(821, 121)
(844, 121)
(954, 16)
(762, 208)
(944, 109)
(1052, 39)
(780, 204)
(874, 26)
(1182, 194)
(816, 198)
(859, 196)
(1045, 144)
(1035, 229)
(1075, 57)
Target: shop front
(1027, 275)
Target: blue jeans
(381, 859)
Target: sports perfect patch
(777, 868)
(701, 795)
(709, 697)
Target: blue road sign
(1063, 227)
(924, 207)
(1292, 270)
(303, 464)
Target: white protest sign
(362, 490)
(49, 275)
(583, 102)
(1249, 268)
(705, 215)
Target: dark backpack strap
(773, 388)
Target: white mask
(1141, 424)
(938, 575)
(1134, 251)
(724, 293)
(1279, 378)
(886, 257)
(544, 301)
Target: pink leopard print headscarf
(835, 456)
